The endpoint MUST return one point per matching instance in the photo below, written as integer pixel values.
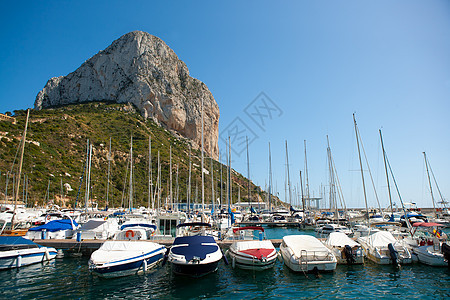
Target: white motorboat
(16, 251)
(254, 255)
(382, 248)
(346, 250)
(122, 258)
(305, 253)
(194, 255)
(429, 249)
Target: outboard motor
(446, 251)
(349, 256)
(393, 253)
(166, 256)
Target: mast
(387, 175)
(288, 178)
(270, 180)
(212, 182)
(131, 176)
(301, 190)
(332, 181)
(150, 181)
(109, 169)
(203, 175)
(429, 182)
(88, 185)
(159, 182)
(361, 166)
(306, 175)
(248, 173)
(189, 182)
(16, 194)
(170, 177)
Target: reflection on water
(70, 278)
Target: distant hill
(55, 152)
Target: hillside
(55, 152)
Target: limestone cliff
(141, 69)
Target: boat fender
(166, 256)
(144, 265)
(224, 257)
(19, 261)
(129, 233)
(348, 254)
(446, 251)
(46, 255)
(233, 262)
(393, 253)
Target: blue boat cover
(15, 240)
(194, 246)
(55, 225)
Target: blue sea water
(69, 278)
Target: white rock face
(140, 68)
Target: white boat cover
(299, 243)
(245, 245)
(116, 250)
(340, 239)
(380, 239)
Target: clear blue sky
(318, 61)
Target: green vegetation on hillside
(55, 152)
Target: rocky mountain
(141, 69)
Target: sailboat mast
(189, 182)
(429, 182)
(361, 167)
(212, 180)
(109, 169)
(270, 180)
(248, 173)
(387, 175)
(170, 177)
(16, 194)
(131, 176)
(203, 175)
(88, 186)
(150, 181)
(288, 178)
(306, 175)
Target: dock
(86, 247)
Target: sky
(280, 71)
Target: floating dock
(86, 247)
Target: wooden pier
(86, 247)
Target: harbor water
(70, 278)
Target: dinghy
(16, 251)
(254, 255)
(305, 253)
(346, 250)
(122, 258)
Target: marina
(356, 281)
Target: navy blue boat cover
(15, 240)
(56, 225)
(194, 246)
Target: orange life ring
(48, 218)
(129, 233)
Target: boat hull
(194, 270)
(245, 262)
(19, 258)
(429, 256)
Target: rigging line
(370, 173)
(124, 183)
(437, 186)
(398, 193)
